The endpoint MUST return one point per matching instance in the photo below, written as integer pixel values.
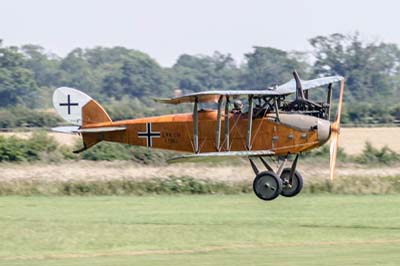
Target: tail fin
(78, 108)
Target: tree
(17, 85)
(138, 76)
(268, 66)
(369, 68)
(44, 66)
(199, 73)
(78, 73)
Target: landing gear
(268, 185)
(292, 187)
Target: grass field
(200, 230)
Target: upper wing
(284, 89)
(290, 86)
(213, 96)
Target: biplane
(280, 121)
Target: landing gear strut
(291, 187)
(268, 185)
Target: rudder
(93, 113)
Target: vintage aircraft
(271, 126)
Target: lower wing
(208, 156)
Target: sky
(167, 29)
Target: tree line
(125, 80)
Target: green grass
(200, 230)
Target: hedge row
(189, 185)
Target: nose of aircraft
(324, 130)
(305, 122)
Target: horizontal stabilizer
(101, 129)
(74, 130)
(209, 156)
(67, 130)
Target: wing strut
(196, 126)
(249, 123)
(218, 129)
(276, 110)
(227, 124)
(329, 101)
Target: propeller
(335, 130)
(335, 126)
(299, 87)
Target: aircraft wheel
(291, 190)
(267, 185)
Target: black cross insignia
(69, 104)
(148, 134)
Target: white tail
(81, 110)
(78, 108)
(68, 103)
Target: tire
(296, 186)
(267, 185)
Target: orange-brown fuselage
(175, 132)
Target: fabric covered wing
(284, 89)
(290, 86)
(210, 156)
(213, 96)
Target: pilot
(237, 107)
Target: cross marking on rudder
(69, 104)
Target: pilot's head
(237, 105)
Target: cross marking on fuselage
(149, 135)
(69, 104)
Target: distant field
(352, 140)
(66, 139)
(102, 170)
(200, 230)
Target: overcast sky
(167, 29)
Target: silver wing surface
(210, 156)
(75, 129)
(284, 89)
(290, 86)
